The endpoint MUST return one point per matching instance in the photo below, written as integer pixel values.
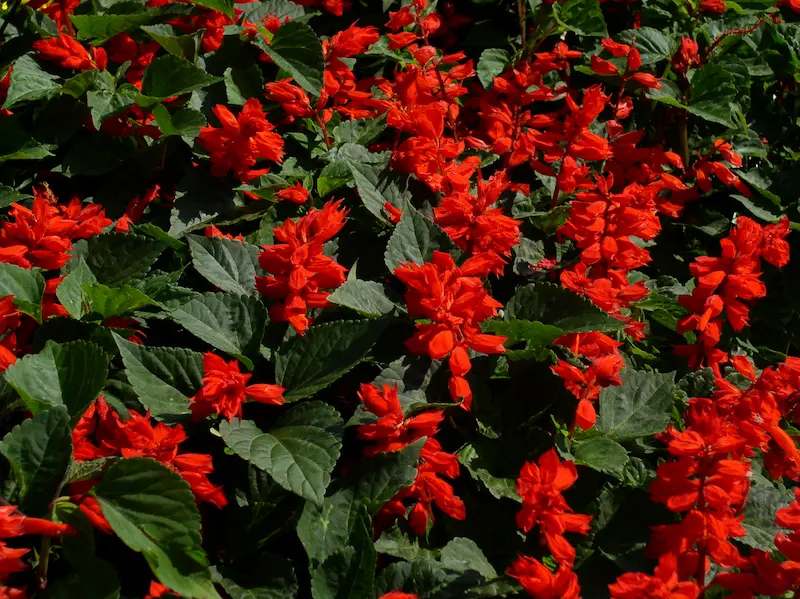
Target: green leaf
(305, 364)
(17, 144)
(640, 407)
(230, 265)
(199, 199)
(70, 375)
(296, 49)
(232, 323)
(583, 17)
(464, 555)
(241, 84)
(152, 509)
(27, 287)
(29, 82)
(70, 291)
(119, 258)
(80, 471)
(601, 454)
(560, 308)
(414, 240)
(185, 122)
(9, 195)
(492, 63)
(759, 515)
(269, 577)
(534, 332)
(350, 572)
(182, 46)
(712, 93)
(223, 6)
(299, 453)
(335, 175)
(374, 481)
(39, 452)
(652, 44)
(669, 94)
(107, 302)
(359, 131)
(106, 26)
(169, 76)
(368, 298)
(498, 487)
(376, 188)
(163, 377)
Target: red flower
(300, 273)
(398, 595)
(664, 585)
(291, 97)
(136, 208)
(455, 301)
(393, 431)
(241, 141)
(158, 590)
(540, 583)
(12, 525)
(297, 194)
(225, 389)
(715, 6)
(70, 54)
(102, 433)
(540, 488)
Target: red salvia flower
(540, 583)
(225, 389)
(241, 141)
(300, 273)
(67, 52)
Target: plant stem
(523, 29)
(44, 562)
(683, 132)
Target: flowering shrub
(399, 300)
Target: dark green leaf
(601, 454)
(712, 93)
(242, 84)
(296, 49)
(39, 452)
(163, 377)
(759, 515)
(107, 302)
(491, 64)
(299, 453)
(152, 509)
(271, 577)
(223, 6)
(365, 297)
(584, 17)
(230, 265)
(106, 26)
(119, 258)
(182, 46)
(27, 287)
(185, 122)
(232, 323)
(169, 76)
(29, 82)
(326, 352)
(641, 406)
(17, 144)
(69, 375)
(414, 240)
(653, 45)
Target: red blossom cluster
(392, 432)
(103, 433)
(14, 524)
(726, 284)
(454, 300)
(300, 274)
(225, 389)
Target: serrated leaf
(492, 63)
(601, 454)
(169, 76)
(106, 26)
(232, 323)
(27, 287)
(230, 265)
(152, 509)
(368, 298)
(359, 131)
(296, 49)
(28, 81)
(584, 17)
(182, 46)
(39, 451)
(640, 407)
(70, 375)
(559, 307)
(414, 240)
(759, 515)
(70, 291)
(376, 188)
(223, 6)
(185, 122)
(305, 364)
(119, 258)
(463, 555)
(80, 471)
(163, 377)
(374, 481)
(653, 45)
(350, 572)
(535, 333)
(299, 453)
(200, 197)
(712, 93)
(108, 302)
(241, 84)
